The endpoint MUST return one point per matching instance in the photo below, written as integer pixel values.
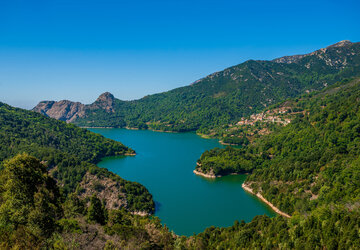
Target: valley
(294, 121)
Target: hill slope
(310, 162)
(220, 98)
(71, 154)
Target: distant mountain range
(220, 98)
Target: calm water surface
(185, 202)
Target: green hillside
(68, 151)
(310, 162)
(309, 169)
(226, 96)
(35, 215)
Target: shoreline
(211, 176)
(129, 128)
(275, 209)
(130, 154)
(95, 127)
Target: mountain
(70, 153)
(311, 162)
(221, 98)
(309, 169)
(69, 111)
(64, 110)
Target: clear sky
(78, 49)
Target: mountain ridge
(222, 97)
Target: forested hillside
(70, 153)
(34, 214)
(311, 162)
(309, 169)
(221, 98)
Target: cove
(185, 202)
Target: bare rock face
(62, 110)
(105, 101)
(106, 189)
(342, 43)
(69, 111)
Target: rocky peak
(318, 53)
(63, 110)
(104, 101)
(342, 43)
(105, 97)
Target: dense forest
(68, 151)
(310, 163)
(35, 214)
(309, 168)
(324, 228)
(225, 97)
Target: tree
(29, 199)
(97, 211)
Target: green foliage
(311, 162)
(224, 97)
(228, 160)
(67, 150)
(323, 229)
(235, 140)
(69, 226)
(73, 206)
(31, 215)
(29, 199)
(96, 211)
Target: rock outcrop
(106, 190)
(63, 110)
(329, 57)
(105, 101)
(69, 111)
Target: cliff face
(69, 111)
(63, 110)
(105, 101)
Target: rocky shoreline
(251, 191)
(212, 176)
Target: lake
(185, 202)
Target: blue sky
(76, 50)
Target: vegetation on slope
(225, 97)
(310, 169)
(70, 152)
(34, 214)
(325, 228)
(312, 161)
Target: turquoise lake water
(185, 202)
